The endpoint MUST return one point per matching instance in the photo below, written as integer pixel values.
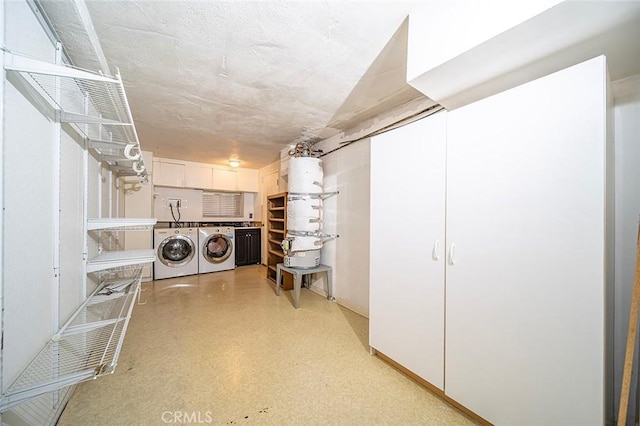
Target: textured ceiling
(211, 80)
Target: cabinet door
(167, 173)
(254, 247)
(247, 180)
(248, 246)
(525, 231)
(241, 247)
(224, 180)
(407, 246)
(199, 176)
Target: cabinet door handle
(434, 254)
(451, 254)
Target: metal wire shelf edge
(106, 93)
(84, 320)
(295, 196)
(120, 260)
(16, 394)
(121, 224)
(43, 410)
(107, 90)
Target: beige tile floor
(222, 348)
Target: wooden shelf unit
(276, 230)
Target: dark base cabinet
(248, 246)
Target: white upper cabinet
(224, 179)
(169, 173)
(247, 180)
(186, 174)
(199, 176)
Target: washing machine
(217, 249)
(176, 251)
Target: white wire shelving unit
(121, 260)
(95, 105)
(87, 346)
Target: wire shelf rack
(294, 196)
(120, 260)
(121, 224)
(86, 347)
(41, 410)
(95, 105)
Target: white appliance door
(525, 236)
(407, 246)
(176, 251)
(217, 248)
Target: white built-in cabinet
(224, 179)
(492, 285)
(198, 176)
(169, 173)
(247, 180)
(407, 245)
(186, 174)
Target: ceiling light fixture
(234, 163)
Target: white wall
(191, 210)
(627, 156)
(28, 172)
(71, 217)
(269, 183)
(446, 37)
(347, 214)
(191, 204)
(439, 32)
(137, 203)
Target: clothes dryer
(217, 249)
(176, 252)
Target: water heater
(304, 237)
